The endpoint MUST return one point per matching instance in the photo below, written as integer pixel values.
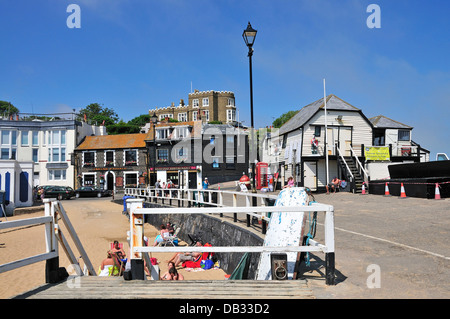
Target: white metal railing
(140, 251)
(198, 196)
(343, 160)
(358, 164)
(53, 210)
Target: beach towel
(108, 270)
(197, 263)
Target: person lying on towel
(183, 257)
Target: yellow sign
(377, 154)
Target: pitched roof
(113, 141)
(302, 116)
(195, 125)
(382, 121)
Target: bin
(125, 202)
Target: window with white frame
(89, 179)
(162, 134)
(230, 101)
(131, 179)
(195, 103)
(181, 154)
(206, 115)
(182, 117)
(162, 156)
(163, 116)
(109, 158)
(35, 138)
(195, 115)
(130, 157)
(24, 138)
(231, 115)
(8, 141)
(89, 159)
(205, 102)
(56, 146)
(56, 174)
(181, 132)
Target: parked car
(441, 157)
(59, 192)
(91, 191)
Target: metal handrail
(359, 163)
(150, 194)
(343, 159)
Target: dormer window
(162, 134)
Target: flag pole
(326, 133)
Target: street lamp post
(154, 120)
(249, 36)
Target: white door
(345, 139)
(310, 176)
(332, 139)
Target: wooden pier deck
(94, 287)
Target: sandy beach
(98, 222)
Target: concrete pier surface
(386, 247)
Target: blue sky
(134, 55)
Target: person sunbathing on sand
(182, 257)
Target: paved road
(405, 241)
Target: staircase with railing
(353, 170)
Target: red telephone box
(261, 175)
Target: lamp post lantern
(249, 36)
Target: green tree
(97, 113)
(122, 128)
(7, 109)
(277, 123)
(140, 120)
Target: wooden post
(234, 205)
(220, 199)
(52, 264)
(136, 239)
(329, 243)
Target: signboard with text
(377, 154)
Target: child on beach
(172, 273)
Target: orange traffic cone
(402, 192)
(363, 191)
(437, 194)
(386, 190)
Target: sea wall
(215, 231)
